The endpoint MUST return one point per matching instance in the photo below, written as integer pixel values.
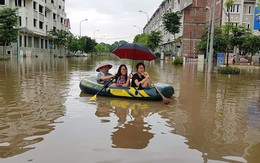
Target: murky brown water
(44, 117)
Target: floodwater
(44, 117)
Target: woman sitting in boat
(104, 76)
(138, 79)
(122, 80)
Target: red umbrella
(134, 51)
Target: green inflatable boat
(89, 85)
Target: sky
(109, 20)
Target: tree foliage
(87, 44)
(238, 35)
(154, 39)
(59, 38)
(228, 4)
(72, 43)
(102, 48)
(116, 44)
(8, 22)
(251, 44)
(219, 41)
(141, 39)
(171, 22)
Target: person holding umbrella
(138, 79)
(104, 76)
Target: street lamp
(207, 52)
(212, 37)
(95, 32)
(80, 26)
(138, 28)
(146, 15)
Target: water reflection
(135, 132)
(213, 118)
(32, 96)
(132, 130)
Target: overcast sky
(115, 19)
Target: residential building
(36, 18)
(196, 16)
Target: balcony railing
(35, 14)
(41, 17)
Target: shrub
(228, 70)
(178, 60)
(158, 55)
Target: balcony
(48, 6)
(249, 1)
(35, 14)
(41, 17)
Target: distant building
(196, 15)
(36, 18)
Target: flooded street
(44, 116)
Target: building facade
(196, 16)
(36, 18)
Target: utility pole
(210, 61)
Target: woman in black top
(138, 79)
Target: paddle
(95, 96)
(165, 100)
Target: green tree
(251, 44)
(258, 4)
(141, 39)
(238, 35)
(86, 44)
(116, 44)
(102, 48)
(59, 38)
(172, 24)
(228, 4)
(154, 39)
(8, 20)
(72, 44)
(219, 41)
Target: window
(233, 8)
(46, 44)
(20, 21)
(42, 41)
(61, 20)
(249, 10)
(59, 6)
(20, 41)
(29, 41)
(25, 41)
(34, 22)
(2, 2)
(19, 3)
(34, 5)
(40, 8)
(40, 25)
(54, 16)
